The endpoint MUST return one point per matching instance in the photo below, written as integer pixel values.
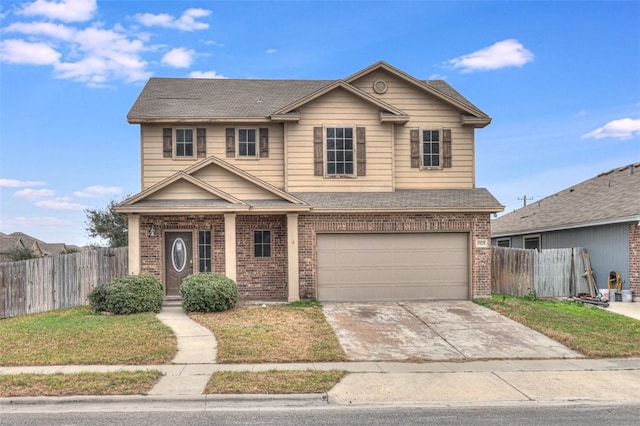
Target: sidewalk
(439, 383)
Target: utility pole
(524, 199)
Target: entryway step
(172, 301)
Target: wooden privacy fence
(549, 272)
(65, 281)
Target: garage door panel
(401, 266)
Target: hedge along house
(360, 189)
(601, 214)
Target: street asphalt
(440, 382)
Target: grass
(273, 382)
(118, 383)
(76, 336)
(590, 331)
(287, 333)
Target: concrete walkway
(195, 359)
(438, 383)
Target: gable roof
(610, 197)
(211, 100)
(145, 202)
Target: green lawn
(77, 336)
(588, 330)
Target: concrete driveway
(435, 331)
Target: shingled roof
(201, 99)
(611, 197)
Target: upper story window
(431, 148)
(247, 142)
(340, 151)
(184, 142)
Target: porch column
(134, 244)
(293, 278)
(230, 245)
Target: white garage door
(390, 267)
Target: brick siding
(261, 277)
(266, 278)
(478, 225)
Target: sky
(561, 81)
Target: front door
(178, 260)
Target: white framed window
(247, 143)
(431, 148)
(340, 150)
(184, 142)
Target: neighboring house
(359, 189)
(21, 240)
(8, 244)
(601, 214)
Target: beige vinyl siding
(335, 109)
(232, 184)
(182, 190)
(155, 168)
(426, 112)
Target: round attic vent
(380, 86)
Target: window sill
(340, 176)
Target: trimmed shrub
(129, 294)
(98, 298)
(208, 293)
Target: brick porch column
(230, 245)
(293, 283)
(134, 244)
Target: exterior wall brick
(266, 278)
(261, 277)
(152, 248)
(476, 224)
(634, 259)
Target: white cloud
(33, 194)
(63, 10)
(178, 58)
(205, 74)
(506, 53)
(23, 52)
(60, 204)
(625, 128)
(25, 223)
(186, 22)
(14, 183)
(270, 51)
(57, 31)
(98, 191)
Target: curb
(287, 399)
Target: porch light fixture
(152, 231)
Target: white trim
(256, 143)
(354, 149)
(601, 222)
(194, 143)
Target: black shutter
(362, 151)
(317, 151)
(264, 142)
(415, 148)
(231, 142)
(202, 142)
(446, 148)
(167, 142)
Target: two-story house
(360, 189)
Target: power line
(524, 199)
